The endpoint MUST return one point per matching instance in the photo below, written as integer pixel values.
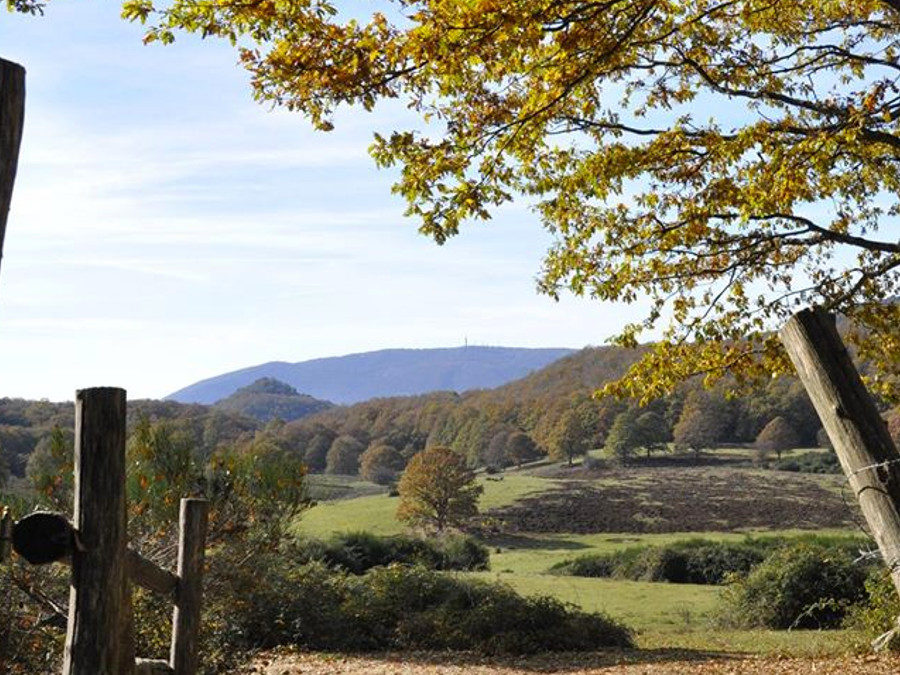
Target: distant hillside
(390, 372)
(553, 407)
(268, 398)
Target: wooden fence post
(5, 533)
(99, 573)
(12, 117)
(184, 658)
(859, 435)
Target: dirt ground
(684, 499)
(645, 662)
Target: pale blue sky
(165, 228)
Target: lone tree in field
(575, 433)
(700, 425)
(723, 161)
(633, 430)
(777, 436)
(437, 490)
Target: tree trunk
(12, 116)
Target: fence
(99, 636)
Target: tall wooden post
(184, 658)
(859, 435)
(12, 116)
(99, 572)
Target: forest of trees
(549, 413)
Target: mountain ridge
(360, 376)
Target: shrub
(357, 552)
(403, 608)
(312, 606)
(695, 561)
(800, 586)
(592, 463)
(878, 614)
(31, 633)
(811, 462)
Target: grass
(376, 513)
(535, 554)
(642, 605)
(662, 615)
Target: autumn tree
(50, 468)
(381, 463)
(495, 455)
(635, 430)
(653, 431)
(343, 456)
(437, 490)
(521, 448)
(777, 436)
(316, 453)
(701, 424)
(573, 435)
(723, 161)
(624, 438)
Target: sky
(166, 228)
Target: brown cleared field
(682, 499)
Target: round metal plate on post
(43, 537)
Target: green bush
(691, 561)
(801, 586)
(811, 462)
(357, 552)
(415, 608)
(695, 561)
(274, 602)
(879, 613)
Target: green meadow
(663, 615)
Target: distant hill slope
(390, 372)
(268, 398)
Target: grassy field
(662, 615)
(375, 513)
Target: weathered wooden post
(189, 595)
(859, 435)
(12, 117)
(5, 533)
(99, 574)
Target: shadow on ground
(289, 662)
(562, 662)
(521, 541)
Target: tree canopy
(437, 490)
(777, 436)
(723, 160)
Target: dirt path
(645, 662)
